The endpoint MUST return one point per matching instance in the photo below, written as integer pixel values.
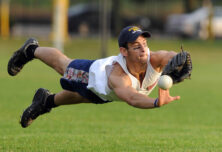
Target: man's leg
(67, 97)
(53, 58)
(43, 101)
(30, 50)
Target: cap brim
(146, 34)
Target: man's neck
(137, 70)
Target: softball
(165, 82)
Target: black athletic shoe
(36, 108)
(20, 57)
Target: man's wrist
(156, 102)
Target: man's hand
(165, 98)
(179, 67)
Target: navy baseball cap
(130, 34)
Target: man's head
(133, 44)
(129, 34)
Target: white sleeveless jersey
(100, 70)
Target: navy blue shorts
(76, 79)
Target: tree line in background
(32, 11)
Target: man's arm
(128, 94)
(160, 59)
(177, 65)
(120, 83)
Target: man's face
(137, 50)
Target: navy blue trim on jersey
(76, 79)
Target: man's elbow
(172, 54)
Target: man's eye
(135, 48)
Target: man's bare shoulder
(117, 70)
(118, 77)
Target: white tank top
(100, 70)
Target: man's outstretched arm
(120, 83)
(135, 99)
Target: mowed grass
(191, 124)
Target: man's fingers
(176, 98)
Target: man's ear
(123, 51)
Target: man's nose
(143, 48)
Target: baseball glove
(179, 67)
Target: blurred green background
(85, 17)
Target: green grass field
(192, 124)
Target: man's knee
(65, 65)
